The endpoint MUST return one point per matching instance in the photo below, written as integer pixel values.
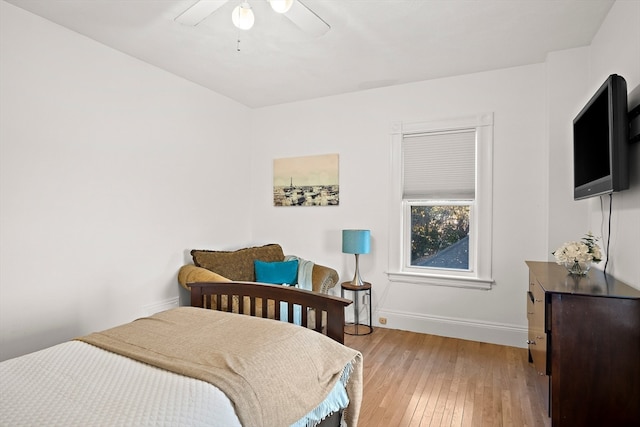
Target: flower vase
(578, 268)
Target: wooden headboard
(215, 295)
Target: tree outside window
(440, 236)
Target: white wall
(616, 49)
(566, 87)
(110, 170)
(534, 210)
(573, 77)
(358, 126)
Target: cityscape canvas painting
(306, 181)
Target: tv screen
(600, 142)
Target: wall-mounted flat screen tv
(601, 142)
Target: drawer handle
(531, 312)
(538, 300)
(538, 338)
(531, 342)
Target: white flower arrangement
(582, 251)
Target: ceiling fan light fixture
(281, 6)
(242, 16)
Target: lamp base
(357, 280)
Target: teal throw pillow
(278, 273)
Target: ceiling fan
(303, 17)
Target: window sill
(440, 280)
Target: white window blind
(439, 165)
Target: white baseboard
(159, 306)
(467, 329)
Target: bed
(199, 365)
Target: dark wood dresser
(584, 342)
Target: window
(441, 202)
(439, 235)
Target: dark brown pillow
(237, 265)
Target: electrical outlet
(382, 320)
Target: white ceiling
(371, 43)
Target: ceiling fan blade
(197, 12)
(307, 20)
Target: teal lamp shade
(356, 242)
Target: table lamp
(356, 242)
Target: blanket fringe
(336, 402)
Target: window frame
(479, 275)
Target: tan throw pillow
(237, 265)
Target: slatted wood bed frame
(260, 295)
(215, 295)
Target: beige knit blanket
(273, 372)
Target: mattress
(77, 384)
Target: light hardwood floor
(413, 379)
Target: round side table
(357, 328)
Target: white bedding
(77, 384)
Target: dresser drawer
(537, 336)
